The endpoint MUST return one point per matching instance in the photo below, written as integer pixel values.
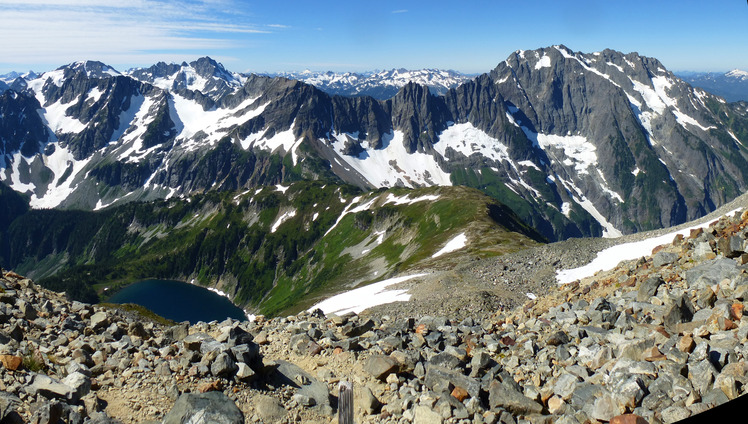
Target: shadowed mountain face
(575, 144)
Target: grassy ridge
(269, 248)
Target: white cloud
(61, 31)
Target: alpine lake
(179, 301)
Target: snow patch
(609, 230)
(94, 95)
(213, 122)
(281, 219)
(585, 65)
(468, 140)
(577, 151)
(456, 243)
(735, 138)
(405, 200)
(15, 176)
(392, 164)
(365, 297)
(347, 210)
(528, 164)
(284, 140)
(609, 258)
(620, 69)
(57, 191)
(55, 117)
(566, 209)
(544, 62)
(650, 96)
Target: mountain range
(732, 85)
(381, 85)
(576, 144)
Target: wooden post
(345, 403)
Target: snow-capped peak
(12, 76)
(379, 84)
(204, 75)
(737, 73)
(93, 69)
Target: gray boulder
(661, 259)
(731, 247)
(49, 388)
(99, 320)
(290, 374)
(501, 395)
(712, 272)
(440, 379)
(223, 366)
(79, 383)
(380, 366)
(178, 332)
(101, 418)
(648, 288)
(680, 311)
(211, 407)
(269, 409)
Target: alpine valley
(277, 189)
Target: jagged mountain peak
(206, 66)
(204, 75)
(559, 55)
(92, 69)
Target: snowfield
(365, 297)
(456, 243)
(609, 258)
(391, 164)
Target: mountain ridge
(732, 85)
(577, 144)
(268, 248)
(381, 85)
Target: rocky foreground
(655, 340)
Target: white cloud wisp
(63, 31)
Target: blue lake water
(179, 301)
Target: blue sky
(351, 35)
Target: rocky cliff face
(576, 144)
